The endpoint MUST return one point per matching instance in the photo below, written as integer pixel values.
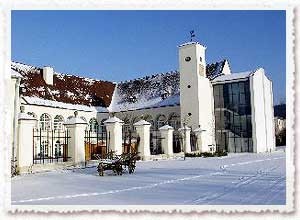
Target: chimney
(48, 75)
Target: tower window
(189, 114)
(200, 59)
(187, 59)
(189, 86)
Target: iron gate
(177, 142)
(130, 140)
(96, 142)
(155, 142)
(193, 141)
(50, 146)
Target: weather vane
(192, 33)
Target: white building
(234, 111)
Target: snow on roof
(113, 119)
(74, 120)
(55, 104)
(170, 101)
(15, 74)
(25, 116)
(190, 43)
(231, 77)
(166, 127)
(146, 92)
(141, 122)
(66, 88)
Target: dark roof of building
(214, 69)
(66, 88)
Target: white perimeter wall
(262, 112)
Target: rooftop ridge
(151, 76)
(60, 73)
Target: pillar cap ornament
(22, 108)
(75, 120)
(185, 128)
(141, 123)
(112, 120)
(166, 127)
(23, 116)
(199, 129)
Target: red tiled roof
(66, 88)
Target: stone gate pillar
(25, 141)
(186, 137)
(143, 131)
(114, 132)
(76, 148)
(166, 133)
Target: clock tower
(196, 94)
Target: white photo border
(94, 5)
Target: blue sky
(122, 45)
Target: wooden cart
(117, 163)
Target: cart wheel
(120, 169)
(100, 170)
(131, 168)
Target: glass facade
(233, 117)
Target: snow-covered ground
(236, 179)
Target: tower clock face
(187, 59)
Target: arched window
(149, 119)
(127, 125)
(93, 125)
(136, 119)
(174, 121)
(102, 127)
(160, 121)
(45, 122)
(58, 122)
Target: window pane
(235, 88)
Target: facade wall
(151, 115)
(206, 112)
(233, 116)
(262, 112)
(269, 114)
(65, 113)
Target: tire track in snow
(115, 191)
(148, 186)
(209, 198)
